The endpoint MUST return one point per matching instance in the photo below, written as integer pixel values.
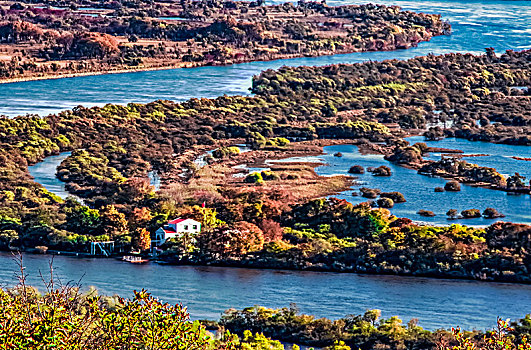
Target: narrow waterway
(208, 291)
(477, 24)
(44, 173)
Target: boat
(134, 259)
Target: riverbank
(208, 291)
(230, 34)
(177, 65)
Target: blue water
(44, 173)
(477, 24)
(208, 291)
(499, 156)
(419, 190)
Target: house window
(195, 227)
(186, 227)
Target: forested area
(113, 148)
(39, 40)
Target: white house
(176, 228)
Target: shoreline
(249, 264)
(182, 65)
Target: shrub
(452, 186)
(356, 169)
(269, 175)
(397, 197)
(65, 319)
(385, 202)
(254, 178)
(223, 152)
(471, 213)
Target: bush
(452, 186)
(269, 175)
(254, 178)
(397, 197)
(491, 213)
(65, 319)
(385, 202)
(223, 152)
(356, 169)
(471, 213)
(382, 171)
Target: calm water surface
(419, 189)
(44, 173)
(208, 291)
(477, 24)
(497, 156)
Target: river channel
(477, 24)
(207, 291)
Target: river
(477, 24)
(208, 291)
(44, 173)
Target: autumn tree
(206, 216)
(142, 240)
(234, 241)
(272, 230)
(113, 223)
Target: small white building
(176, 228)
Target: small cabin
(176, 228)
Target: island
(51, 39)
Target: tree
(206, 216)
(232, 241)
(81, 219)
(142, 240)
(135, 189)
(113, 223)
(139, 218)
(272, 230)
(515, 182)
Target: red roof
(176, 221)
